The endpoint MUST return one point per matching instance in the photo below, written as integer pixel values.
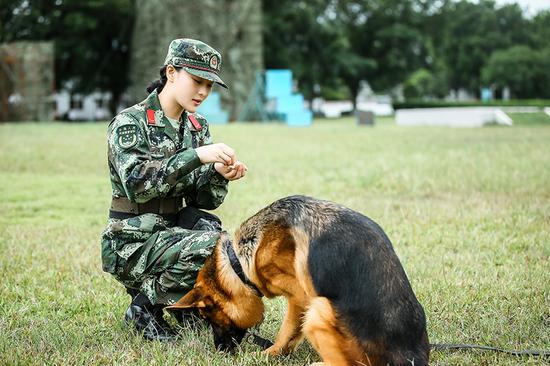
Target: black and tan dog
(346, 289)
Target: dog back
(352, 263)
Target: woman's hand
(216, 153)
(232, 172)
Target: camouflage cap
(196, 58)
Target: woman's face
(188, 90)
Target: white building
(78, 107)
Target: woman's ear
(171, 73)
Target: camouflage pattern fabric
(195, 57)
(149, 159)
(162, 262)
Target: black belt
(123, 208)
(187, 217)
(126, 215)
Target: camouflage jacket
(148, 158)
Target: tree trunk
(114, 102)
(354, 91)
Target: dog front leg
(290, 335)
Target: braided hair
(160, 82)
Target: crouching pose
(164, 169)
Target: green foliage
(471, 33)
(539, 28)
(385, 40)
(466, 210)
(432, 46)
(524, 70)
(91, 39)
(298, 36)
(423, 83)
(348, 41)
(339, 92)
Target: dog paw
(273, 351)
(318, 364)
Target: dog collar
(237, 268)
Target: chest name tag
(127, 136)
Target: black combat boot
(147, 319)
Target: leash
(254, 338)
(445, 346)
(264, 344)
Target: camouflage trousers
(146, 254)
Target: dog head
(224, 301)
(227, 335)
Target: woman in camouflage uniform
(164, 167)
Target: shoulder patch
(126, 136)
(196, 122)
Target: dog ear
(193, 299)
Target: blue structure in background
(212, 110)
(271, 98)
(486, 94)
(287, 106)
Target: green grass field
(468, 212)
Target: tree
(422, 83)
(469, 35)
(300, 36)
(522, 69)
(91, 39)
(539, 29)
(385, 41)
(343, 40)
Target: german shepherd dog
(347, 292)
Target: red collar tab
(195, 123)
(151, 117)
